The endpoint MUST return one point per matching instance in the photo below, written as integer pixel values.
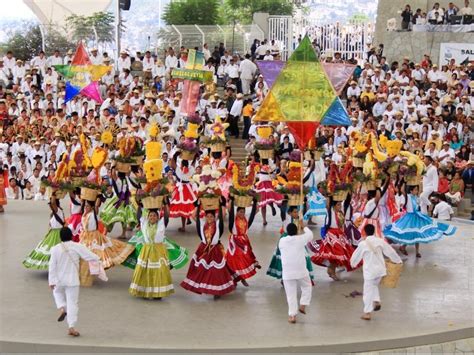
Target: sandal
(62, 316)
(377, 306)
(366, 316)
(292, 319)
(73, 332)
(302, 309)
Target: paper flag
(269, 110)
(98, 71)
(336, 115)
(339, 74)
(270, 70)
(92, 91)
(64, 70)
(303, 132)
(71, 91)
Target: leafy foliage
(242, 10)
(86, 27)
(190, 12)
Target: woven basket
(393, 274)
(243, 201)
(413, 180)
(89, 194)
(209, 203)
(85, 277)
(370, 185)
(187, 155)
(218, 147)
(266, 153)
(153, 202)
(60, 194)
(295, 200)
(358, 162)
(318, 154)
(138, 160)
(340, 195)
(122, 167)
(308, 155)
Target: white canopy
(56, 11)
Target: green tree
(242, 10)
(86, 27)
(192, 12)
(28, 42)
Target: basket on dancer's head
(153, 202)
(266, 148)
(89, 194)
(210, 203)
(340, 195)
(413, 180)
(357, 162)
(217, 146)
(243, 201)
(295, 199)
(122, 167)
(138, 160)
(187, 155)
(393, 274)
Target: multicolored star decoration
(218, 128)
(83, 77)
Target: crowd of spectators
(437, 15)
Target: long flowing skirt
(415, 227)
(375, 222)
(208, 272)
(177, 255)
(316, 205)
(240, 256)
(275, 268)
(152, 277)
(267, 194)
(125, 214)
(110, 251)
(334, 249)
(74, 224)
(39, 258)
(182, 201)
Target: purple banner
(270, 70)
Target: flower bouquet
(242, 187)
(266, 148)
(153, 195)
(292, 191)
(58, 188)
(209, 192)
(138, 152)
(218, 139)
(90, 190)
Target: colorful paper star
(83, 76)
(218, 128)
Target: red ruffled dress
(265, 189)
(335, 248)
(208, 271)
(74, 220)
(239, 255)
(183, 196)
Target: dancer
(74, 220)
(371, 250)
(275, 267)
(264, 187)
(39, 258)
(63, 277)
(183, 196)
(119, 209)
(295, 272)
(208, 271)
(239, 255)
(177, 255)
(335, 249)
(152, 276)
(110, 251)
(415, 227)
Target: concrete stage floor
(433, 303)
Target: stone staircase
(238, 146)
(466, 206)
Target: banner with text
(462, 53)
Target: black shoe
(62, 316)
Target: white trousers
(291, 290)
(425, 200)
(67, 297)
(371, 294)
(246, 86)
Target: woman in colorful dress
(415, 227)
(335, 250)
(208, 271)
(119, 209)
(74, 220)
(152, 276)
(177, 255)
(275, 267)
(39, 257)
(110, 251)
(183, 196)
(266, 191)
(239, 255)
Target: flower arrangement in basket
(209, 192)
(92, 187)
(242, 185)
(138, 152)
(292, 189)
(217, 142)
(339, 181)
(124, 159)
(189, 148)
(412, 169)
(58, 188)
(266, 147)
(153, 194)
(194, 122)
(76, 167)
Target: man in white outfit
(247, 71)
(64, 276)
(294, 272)
(371, 250)
(430, 184)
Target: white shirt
(430, 180)
(371, 250)
(123, 64)
(247, 69)
(64, 263)
(443, 211)
(293, 255)
(171, 62)
(236, 109)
